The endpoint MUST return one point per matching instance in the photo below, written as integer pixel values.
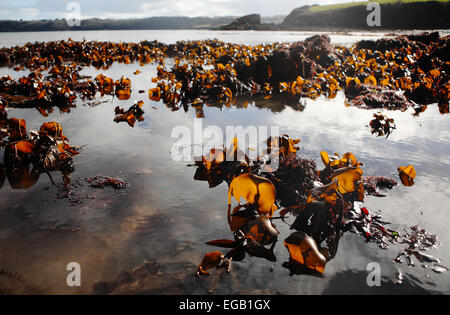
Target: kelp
(393, 74)
(407, 175)
(382, 125)
(324, 205)
(395, 78)
(373, 184)
(303, 252)
(57, 90)
(255, 190)
(251, 237)
(103, 181)
(133, 114)
(29, 154)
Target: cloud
(191, 8)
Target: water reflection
(134, 227)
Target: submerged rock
(368, 96)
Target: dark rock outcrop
(246, 22)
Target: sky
(57, 9)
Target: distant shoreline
(395, 17)
(333, 31)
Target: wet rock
(367, 96)
(442, 49)
(425, 38)
(4, 58)
(366, 44)
(149, 268)
(283, 66)
(103, 287)
(123, 277)
(421, 95)
(319, 49)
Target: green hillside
(329, 7)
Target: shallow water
(172, 36)
(165, 216)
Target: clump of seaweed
(133, 114)
(382, 125)
(372, 184)
(418, 241)
(104, 181)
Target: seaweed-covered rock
(425, 38)
(368, 96)
(4, 58)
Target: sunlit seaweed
(329, 206)
(28, 155)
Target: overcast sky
(51, 9)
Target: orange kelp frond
(255, 190)
(123, 94)
(407, 175)
(303, 251)
(155, 94)
(370, 80)
(262, 231)
(348, 159)
(325, 158)
(53, 129)
(348, 181)
(237, 222)
(18, 128)
(210, 260)
(25, 147)
(288, 145)
(342, 177)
